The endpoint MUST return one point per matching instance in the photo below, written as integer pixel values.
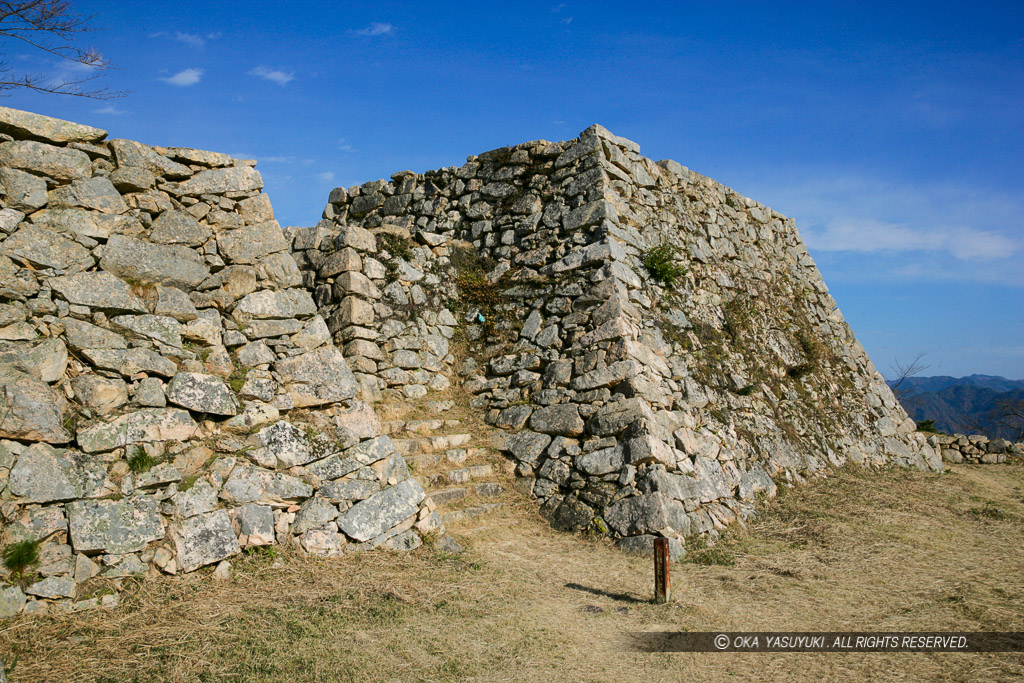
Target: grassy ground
(859, 551)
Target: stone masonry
(169, 394)
(181, 378)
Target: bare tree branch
(50, 26)
(902, 372)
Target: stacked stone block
(635, 408)
(169, 393)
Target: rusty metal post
(662, 581)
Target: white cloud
(193, 39)
(344, 146)
(558, 8)
(375, 29)
(840, 210)
(273, 75)
(110, 110)
(327, 176)
(871, 236)
(184, 78)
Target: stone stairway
(452, 454)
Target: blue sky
(892, 132)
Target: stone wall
(957, 448)
(633, 408)
(169, 394)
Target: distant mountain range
(964, 405)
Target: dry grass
(859, 551)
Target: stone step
(460, 476)
(397, 409)
(423, 427)
(448, 496)
(428, 444)
(469, 513)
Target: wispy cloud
(868, 235)
(326, 176)
(345, 146)
(377, 28)
(193, 39)
(567, 21)
(871, 228)
(184, 78)
(558, 8)
(110, 110)
(273, 75)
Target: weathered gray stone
(646, 514)
(97, 194)
(60, 163)
(45, 360)
(158, 475)
(43, 474)
(563, 419)
(25, 124)
(41, 247)
(75, 221)
(98, 290)
(614, 417)
(103, 395)
(131, 153)
(53, 587)
(222, 180)
(249, 484)
(602, 461)
(268, 303)
(286, 444)
(36, 524)
(141, 426)
(12, 601)
(526, 446)
(314, 513)
(161, 328)
(204, 539)
(202, 393)
(375, 515)
(150, 392)
(250, 244)
(199, 498)
(317, 377)
(132, 179)
(31, 409)
(254, 524)
(22, 191)
(131, 362)
(114, 526)
(178, 227)
(171, 301)
(372, 450)
(347, 490)
(143, 262)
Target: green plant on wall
(661, 262)
(20, 557)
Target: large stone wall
(634, 408)
(169, 395)
(182, 378)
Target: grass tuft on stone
(21, 556)
(661, 262)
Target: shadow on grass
(621, 597)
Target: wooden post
(662, 581)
